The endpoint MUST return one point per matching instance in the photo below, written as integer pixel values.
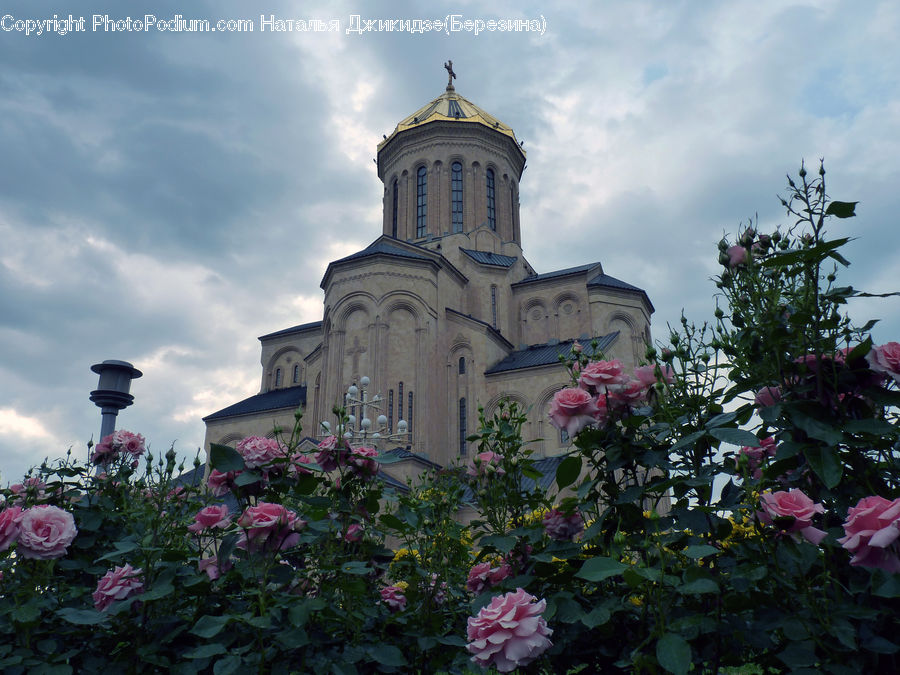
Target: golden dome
(451, 107)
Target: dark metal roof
(496, 333)
(293, 329)
(611, 282)
(290, 397)
(548, 354)
(557, 273)
(488, 258)
(384, 246)
(406, 453)
(546, 465)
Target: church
(442, 311)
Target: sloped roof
(293, 329)
(290, 397)
(546, 465)
(548, 354)
(611, 282)
(406, 453)
(558, 273)
(488, 258)
(384, 246)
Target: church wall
(552, 311)
(613, 310)
(285, 352)
(230, 430)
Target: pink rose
(871, 532)
(629, 393)
(212, 568)
(755, 455)
(886, 359)
(561, 527)
(298, 459)
(509, 632)
(362, 461)
(393, 597)
(9, 526)
(478, 577)
(45, 532)
(125, 441)
(767, 396)
(485, 464)
(793, 505)
(330, 456)
(220, 483)
(498, 574)
(211, 517)
(258, 451)
(573, 409)
(650, 375)
(117, 584)
(354, 533)
(737, 255)
(269, 526)
(598, 375)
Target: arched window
(491, 201)
(394, 211)
(277, 377)
(493, 306)
(295, 378)
(409, 414)
(456, 196)
(462, 427)
(391, 411)
(421, 201)
(399, 401)
(462, 365)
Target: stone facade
(442, 311)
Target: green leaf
(207, 626)
(356, 567)
(227, 665)
(596, 617)
(225, 458)
(498, 541)
(452, 640)
(159, 591)
(735, 436)
(816, 429)
(841, 209)
(387, 655)
(869, 426)
(700, 551)
(598, 569)
(826, 463)
(568, 471)
(80, 617)
(122, 547)
(248, 478)
(205, 651)
(698, 586)
(689, 439)
(673, 653)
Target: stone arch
(278, 360)
(491, 406)
(534, 321)
(551, 438)
(627, 349)
(567, 308)
(230, 439)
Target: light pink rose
(298, 459)
(498, 574)
(509, 632)
(45, 532)
(886, 359)
(485, 464)
(269, 526)
(871, 533)
(9, 526)
(220, 483)
(117, 584)
(630, 393)
(259, 452)
(573, 409)
(792, 512)
(757, 454)
(354, 533)
(212, 568)
(211, 517)
(598, 375)
(561, 527)
(648, 374)
(767, 396)
(330, 455)
(393, 597)
(737, 255)
(125, 441)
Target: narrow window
(494, 306)
(277, 377)
(456, 196)
(462, 365)
(462, 427)
(421, 201)
(563, 436)
(391, 411)
(394, 212)
(400, 402)
(295, 378)
(409, 414)
(491, 203)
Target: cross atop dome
(450, 75)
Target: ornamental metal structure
(362, 431)
(112, 392)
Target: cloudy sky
(167, 197)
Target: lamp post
(111, 394)
(366, 431)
